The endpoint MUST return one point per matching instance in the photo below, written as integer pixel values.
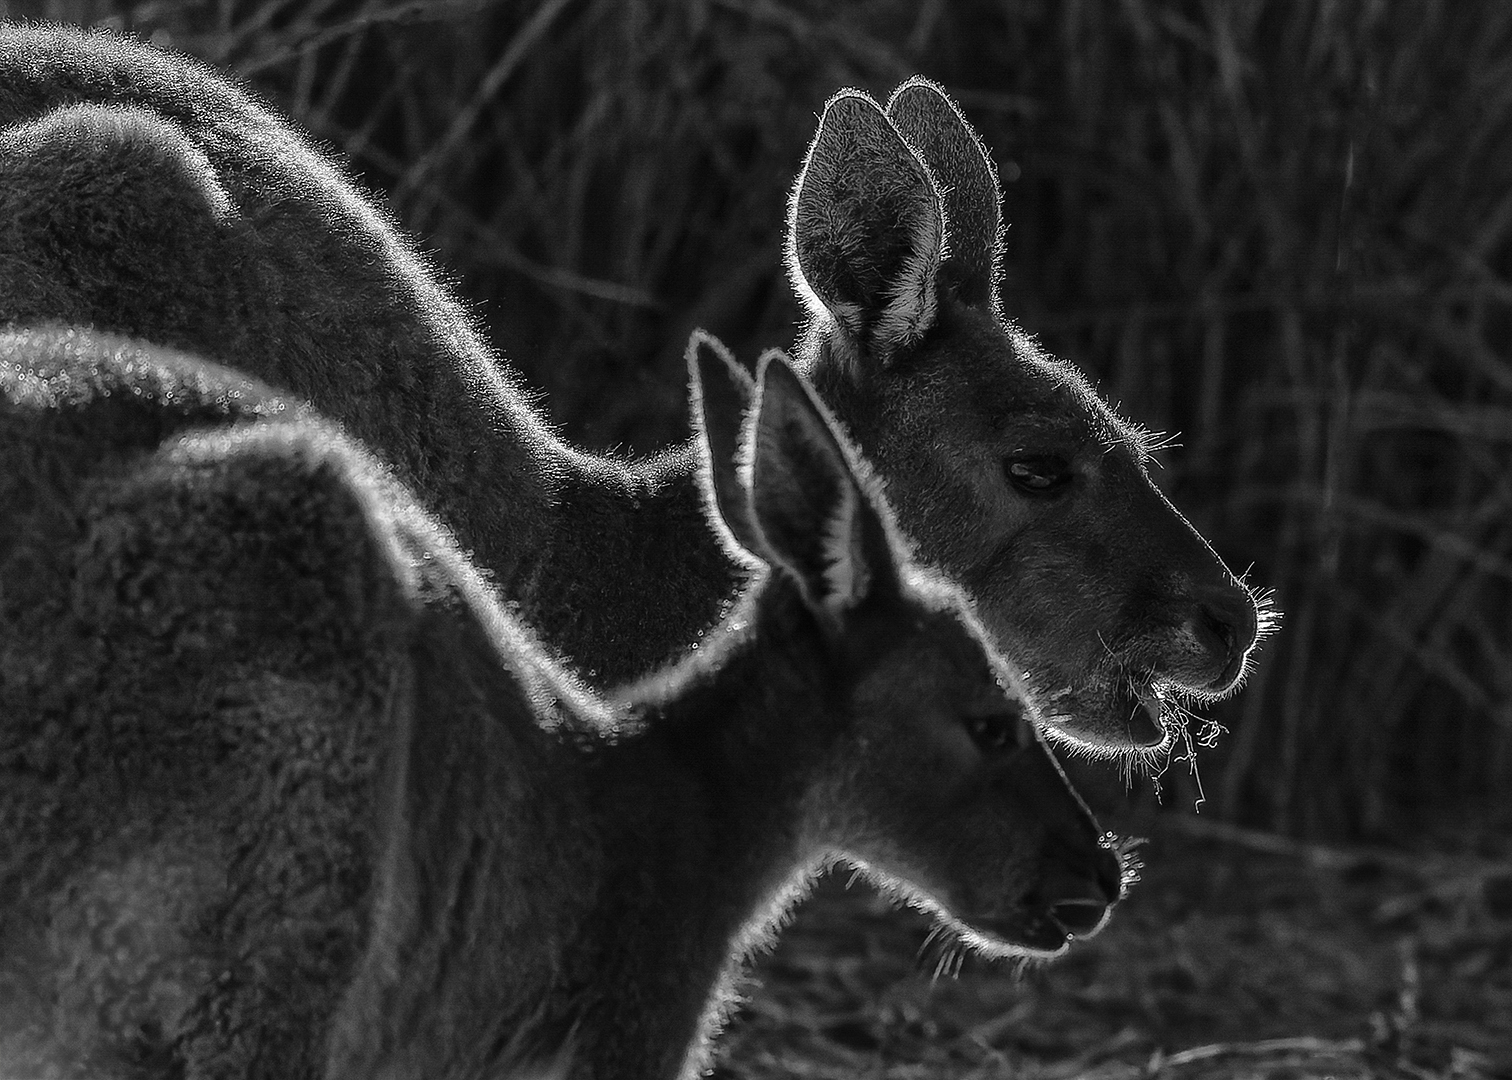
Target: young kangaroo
(286, 793)
(140, 192)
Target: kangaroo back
(195, 218)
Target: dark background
(1280, 230)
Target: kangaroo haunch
(287, 793)
(193, 217)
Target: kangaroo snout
(1081, 879)
(1078, 875)
(1076, 888)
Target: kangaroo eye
(997, 733)
(1038, 474)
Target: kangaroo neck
(631, 575)
(705, 814)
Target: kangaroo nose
(1110, 869)
(1227, 623)
(1079, 902)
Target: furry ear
(866, 233)
(722, 395)
(935, 128)
(819, 522)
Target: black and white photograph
(755, 539)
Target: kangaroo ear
(935, 128)
(722, 395)
(819, 522)
(866, 232)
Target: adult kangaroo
(287, 793)
(141, 192)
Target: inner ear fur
(722, 398)
(816, 516)
(866, 232)
(935, 127)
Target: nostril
(1228, 620)
(1233, 609)
(1221, 629)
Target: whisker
(929, 939)
(940, 963)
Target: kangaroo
(141, 192)
(288, 793)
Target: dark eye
(999, 731)
(1038, 474)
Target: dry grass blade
(1301, 1051)
(488, 87)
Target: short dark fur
(141, 192)
(286, 793)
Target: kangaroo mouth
(1128, 714)
(1046, 934)
(1041, 936)
(1043, 931)
(1142, 706)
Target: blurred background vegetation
(1282, 230)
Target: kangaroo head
(930, 774)
(1005, 468)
